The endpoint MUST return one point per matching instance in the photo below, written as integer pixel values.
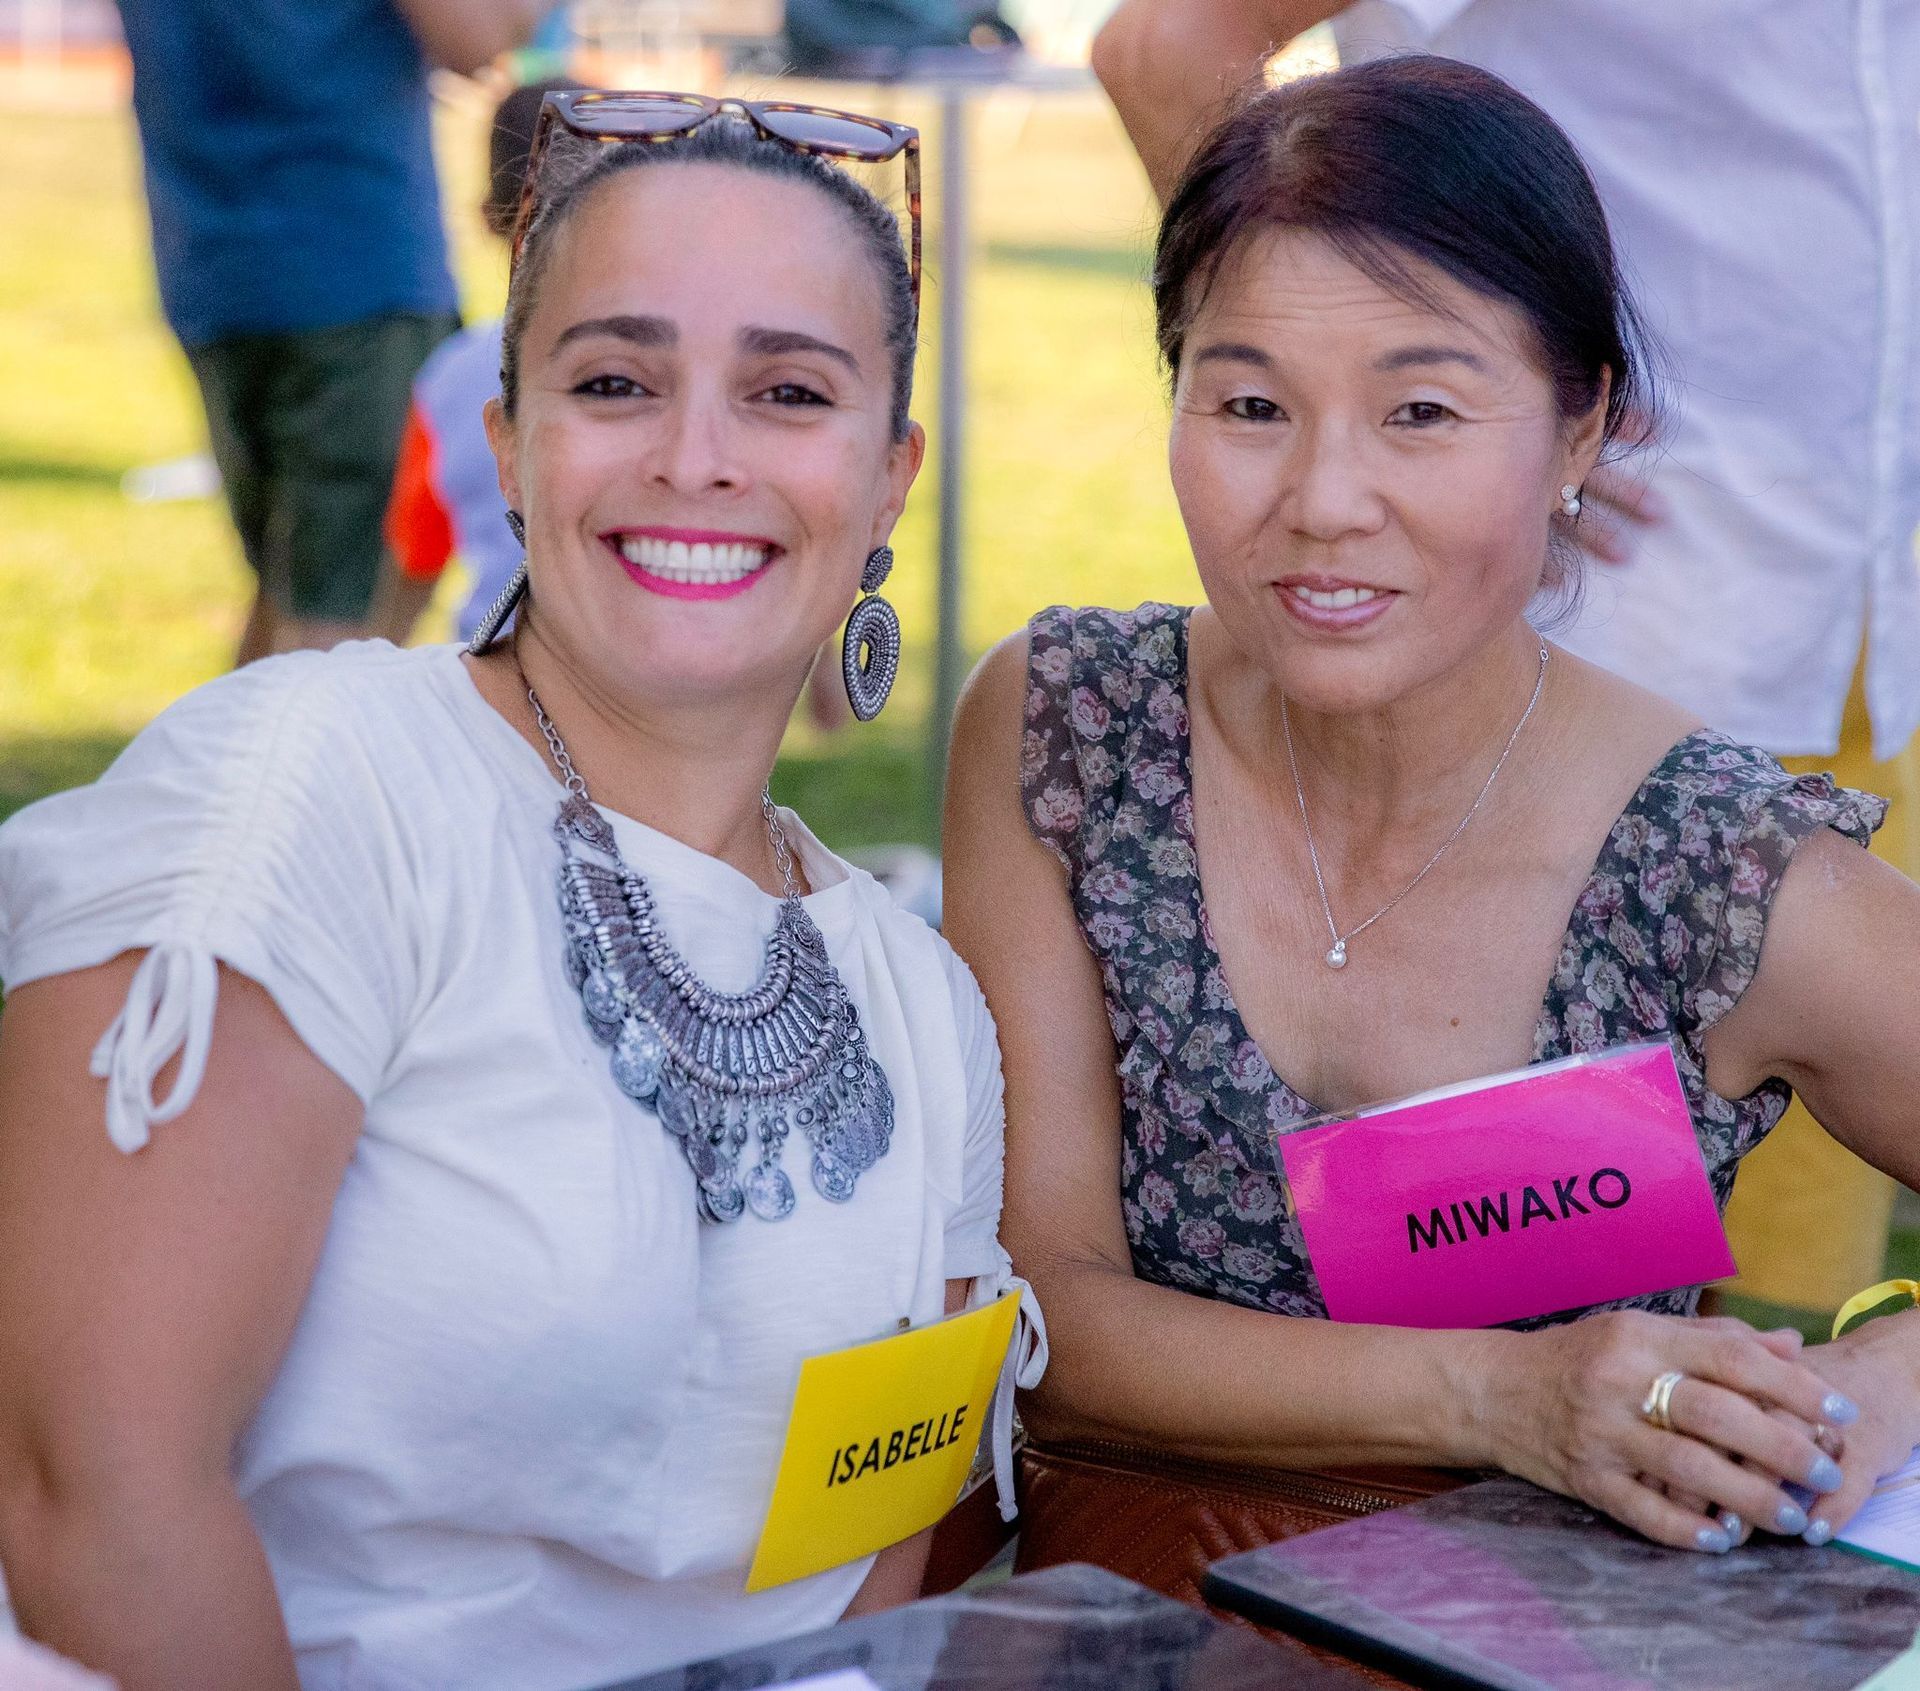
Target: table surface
(1503, 1585)
(1072, 1628)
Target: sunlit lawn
(110, 609)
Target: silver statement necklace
(718, 1068)
(1337, 955)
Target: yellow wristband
(1861, 1302)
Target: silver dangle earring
(1570, 501)
(875, 627)
(510, 595)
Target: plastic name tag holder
(1543, 1189)
(880, 1441)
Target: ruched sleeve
(1052, 791)
(973, 1230)
(248, 826)
(1105, 725)
(1755, 832)
(974, 1250)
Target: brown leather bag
(1159, 1519)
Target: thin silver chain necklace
(716, 1067)
(1336, 957)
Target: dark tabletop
(1501, 1585)
(1072, 1628)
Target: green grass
(112, 609)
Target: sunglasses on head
(594, 115)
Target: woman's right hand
(1564, 1412)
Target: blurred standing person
(296, 232)
(446, 488)
(1760, 165)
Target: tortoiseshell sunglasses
(595, 115)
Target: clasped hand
(1753, 1415)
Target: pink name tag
(1567, 1184)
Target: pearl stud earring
(1570, 500)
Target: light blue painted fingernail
(1825, 1475)
(1841, 1411)
(1714, 1539)
(1731, 1523)
(1790, 1519)
(1818, 1533)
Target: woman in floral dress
(1352, 829)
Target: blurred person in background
(869, 37)
(302, 264)
(1760, 165)
(446, 489)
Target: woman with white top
(501, 1096)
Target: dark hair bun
(1423, 158)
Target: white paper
(1889, 1521)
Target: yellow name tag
(880, 1441)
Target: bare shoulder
(989, 851)
(1610, 725)
(984, 759)
(998, 682)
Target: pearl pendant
(1337, 957)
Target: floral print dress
(1663, 940)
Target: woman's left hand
(1878, 1366)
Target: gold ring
(1657, 1408)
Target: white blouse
(526, 1430)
